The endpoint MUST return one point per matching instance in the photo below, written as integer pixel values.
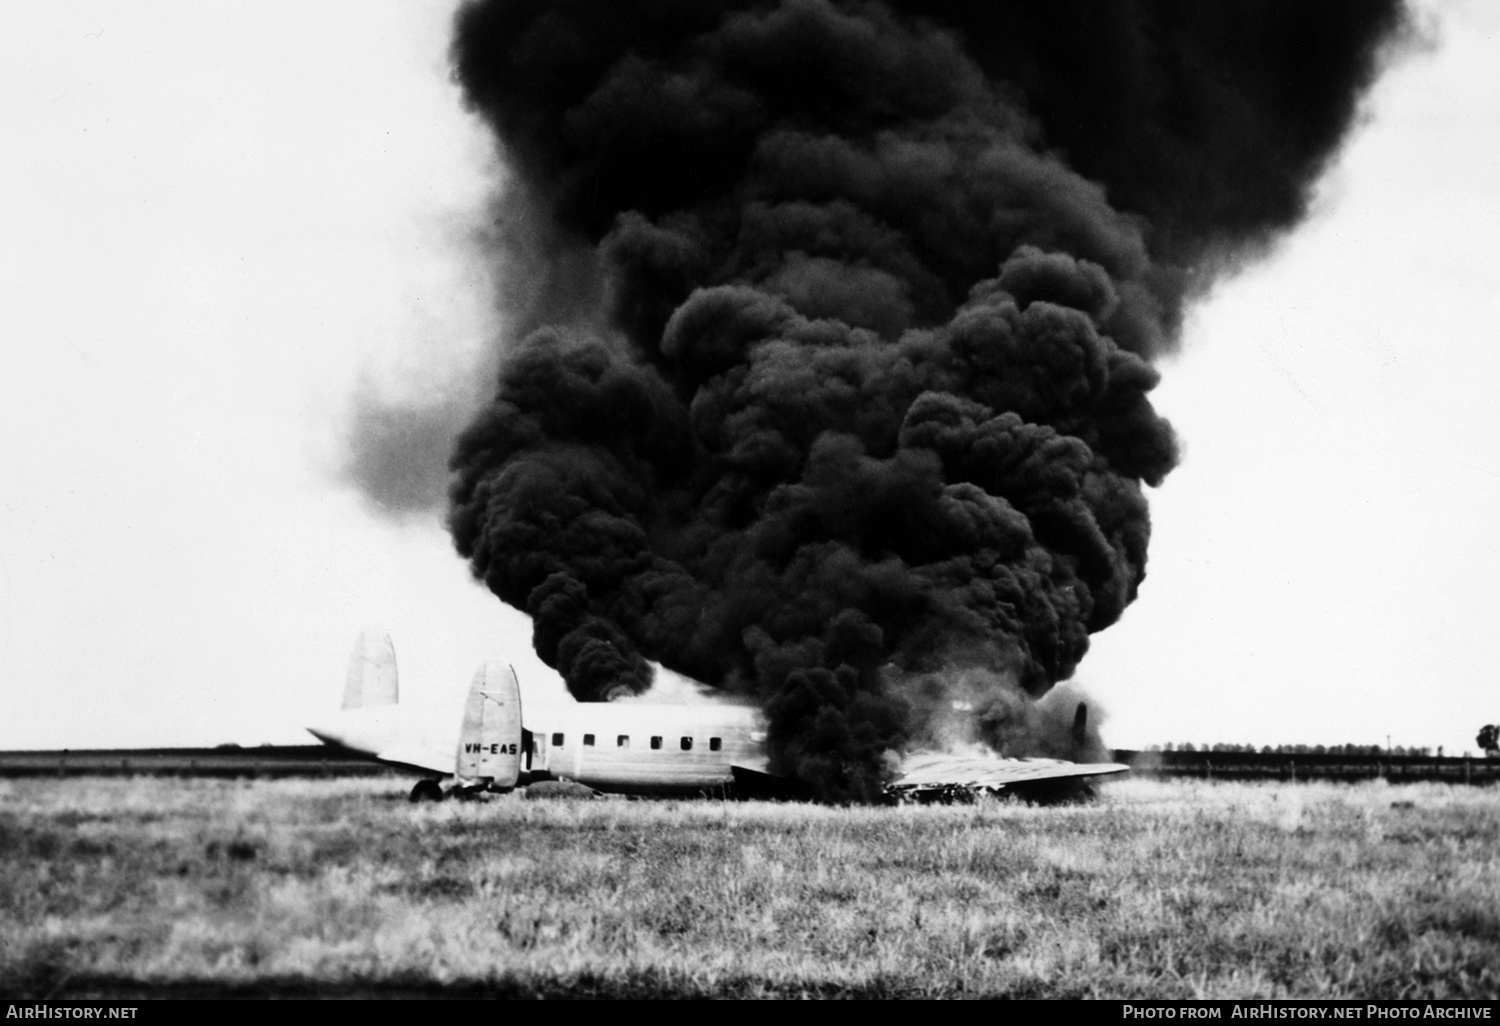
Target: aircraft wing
(932, 774)
(419, 757)
(752, 781)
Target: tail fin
(1081, 723)
(489, 745)
(372, 672)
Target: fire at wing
(942, 777)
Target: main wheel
(426, 791)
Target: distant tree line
(1362, 750)
(1488, 740)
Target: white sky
(217, 219)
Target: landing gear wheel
(426, 791)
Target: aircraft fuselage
(640, 748)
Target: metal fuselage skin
(620, 747)
(631, 748)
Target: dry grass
(1158, 889)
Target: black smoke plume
(858, 402)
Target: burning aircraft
(831, 328)
(705, 748)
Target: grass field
(1166, 889)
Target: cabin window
(557, 740)
(623, 741)
(687, 744)
(588, 740)
(656, 742)
(715, 743)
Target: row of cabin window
(623, 741)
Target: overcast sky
(219, 221)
